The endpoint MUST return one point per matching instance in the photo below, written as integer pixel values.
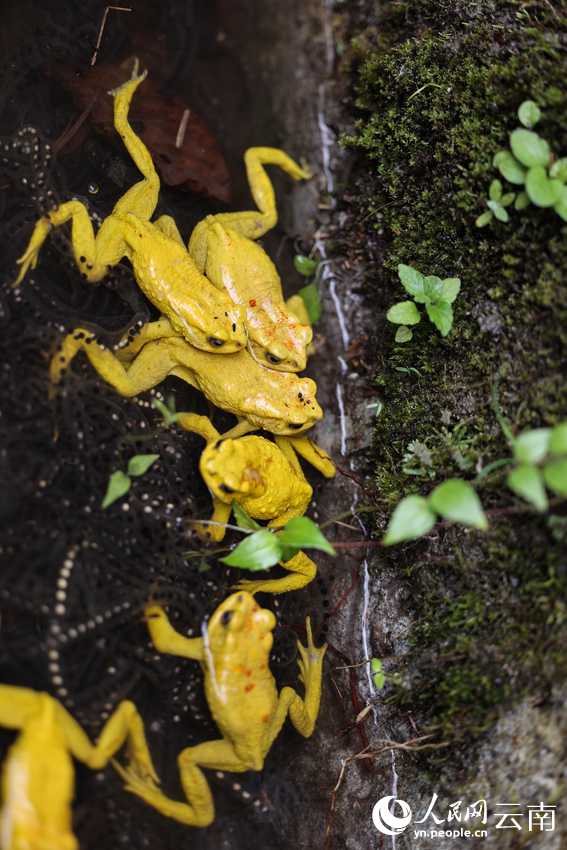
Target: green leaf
(529, 113)
(501, 214)
(403, 334)
(495, 190)
(304, 265)
(412, 280)
(509, 167)
(558, 439)
(522, 201)
(379, 680)
(527, 481)
(529, 148)
(302, 533)
(258, 551)
(441, 314)
(242, 518)
(118, 485)
(412, 518)
(507, 199)
(561, 205)
(403, 313)
(451, 288)
(312, 301)
(559, 170)
(541, 190)
(433, 287)
(203, 566)
(500, 157)
(456, 500)
(139, 464)
(555, 476)
(532, 446)
(375, 665)
(484, 219)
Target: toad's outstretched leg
(142, 198)
(18, 705)
(253, 223)
(301, 568)
(199, 809)
(152, 365)
(96, 256)
(302, 712)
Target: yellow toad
(280, 402)
(38, 776)
(223, 249)
(241, 692)
(200, 313)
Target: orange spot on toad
(239, 668)
(249, 687)
(265, 718)
(252, 303)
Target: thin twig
(182, 128)
(118, 9)
(367, 753)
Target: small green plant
(378, 673)
(541, 457)
(263, 548)
(529, 163)
(453, 499)
(309, 293)
(436, 294)
(120, 482)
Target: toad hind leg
(125, 725)
(96, 256)
(142, 198)
(302, 571)
(253, 223)
(199, 809)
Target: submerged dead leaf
(185, 152)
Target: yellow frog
(280, 402)
(267, 481)
(223, 249)
(38, 776)
(241, 692)
(200, 313)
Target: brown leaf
(197, 165)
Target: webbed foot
(134, 80)
(311, 659)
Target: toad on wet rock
(204, 316)
(241, 692)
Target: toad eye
(272, 358)
(225, 489)
(217, 343)
(226, 618)
(294, 426)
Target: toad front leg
(302, 712)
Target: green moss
(440, 94)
